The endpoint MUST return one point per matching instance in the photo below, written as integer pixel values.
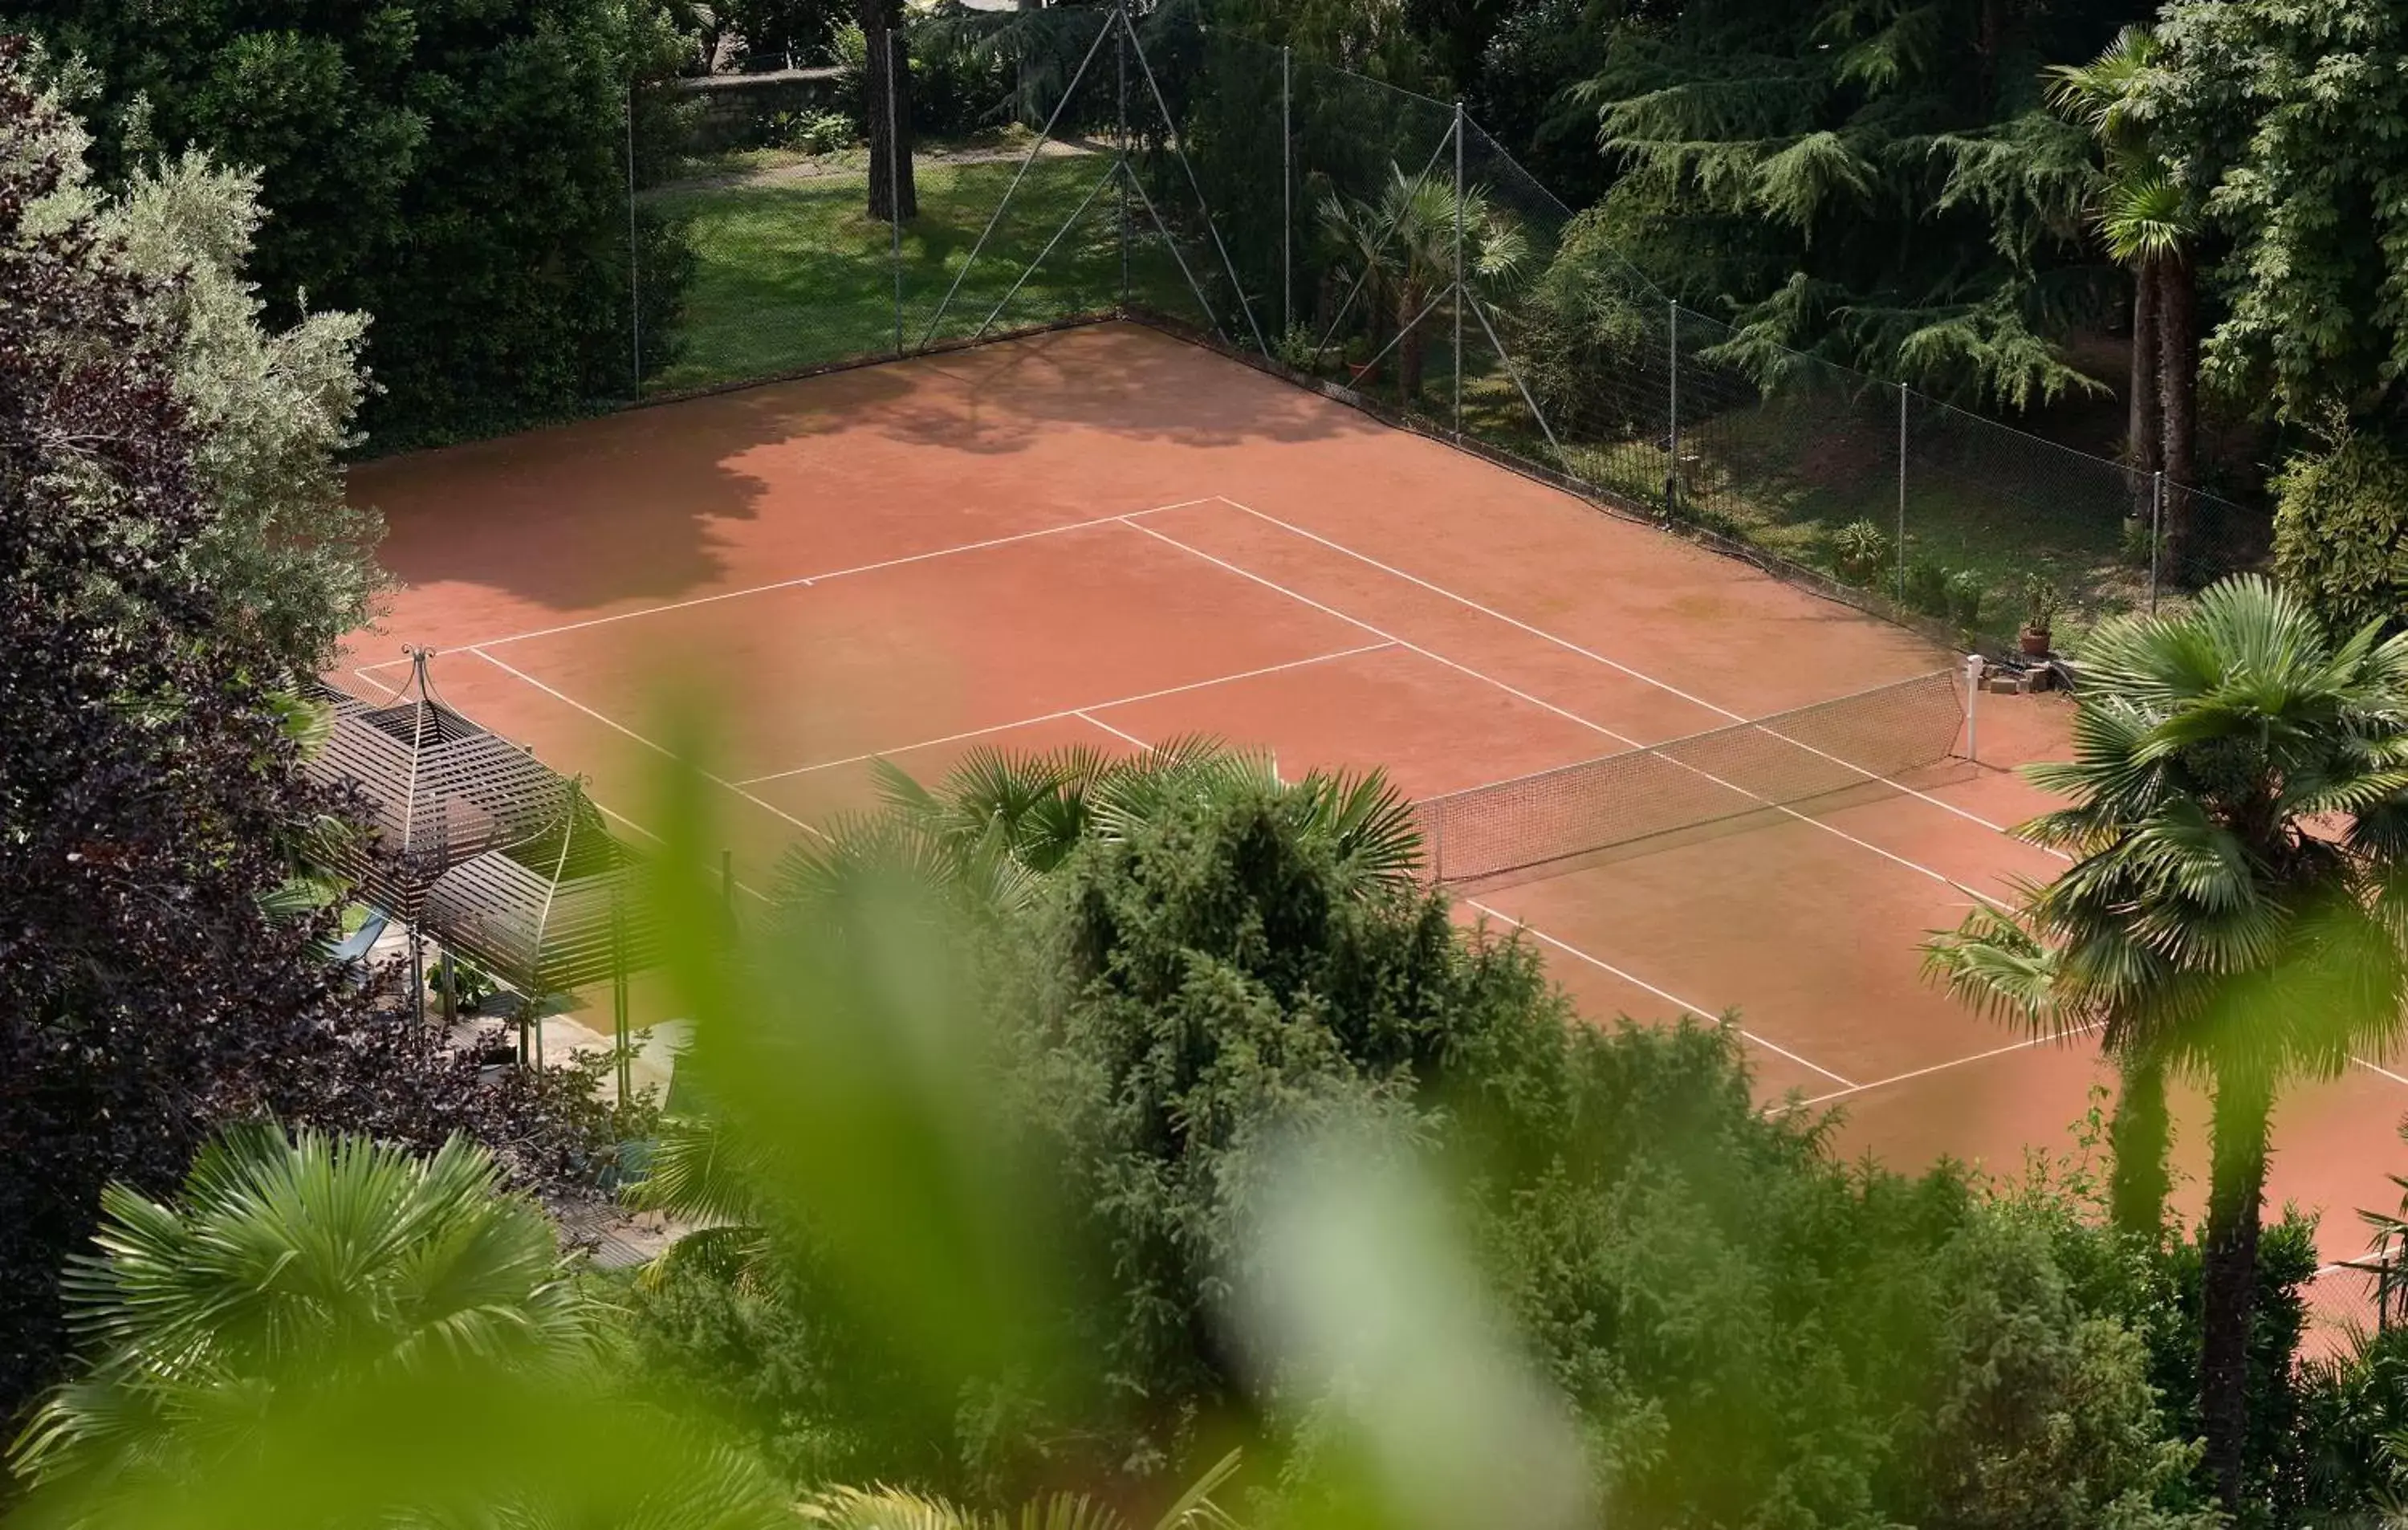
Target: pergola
(560, 909)
(438, 789)
(480, 844)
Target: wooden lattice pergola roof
(438, 789)
(560, 909)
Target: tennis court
(1107, 536)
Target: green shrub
(2341, 531)
(1927, 587)
(1964, 596)
(1861, 552)
(814, 132)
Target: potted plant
(2042, 602)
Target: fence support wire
(1203, 208)
(1479, 311)
(1201, 301)
(1030, 158)
(1403, 207)
(1110, 177)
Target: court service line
(1515, 691)
(2024, 1045)
(1570, 646)
(1079, 711)
(1116, 732)
(610, 723)
(1699, 1010)
(800, 581)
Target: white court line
(799, 581)
(1128, 737)
(2024, 1045)
(1591, 655)
(608, 723)
(1080, 711)
(1833, 830)
(390, 691)
(1698, 1009)
(2382, 1072)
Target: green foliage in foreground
(1209, 1141)
(1740, 1331)
(294, 1266)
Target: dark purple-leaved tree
(148, 801)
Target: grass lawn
(792, 273)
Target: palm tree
(2149, 223)
(1000, 821)
(296, 1263)
(1407, 241)
(699, 1174)
(901, 1509)
(2238, 904)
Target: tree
(1000, 821)
(145, 785)
(899, 1508)
(453, 169)
(1402, 250)
(2148, 225)
(886, 103)
(2341, 530)
(297, 1263)
(1874, 184)
(2286, 119)
(286, 552)
(151, 814)
(2240, 815)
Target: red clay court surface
(1108, 536)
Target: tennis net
(1749, 767)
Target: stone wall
(733, 111)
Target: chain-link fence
(1066, 164)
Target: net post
(1459, 270)
(1437, 848)
(2157, 531)
(1974, 668)
(1901, 493)
(1287, 194)
(635, 269)
(894, 187)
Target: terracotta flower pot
(2034, 642)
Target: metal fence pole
(1672, 399)
(1459, 270)
(1120, 62)
(2157, 531)
(634, 268)
(895, 184)
(1901, 493)
(1287, 196)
